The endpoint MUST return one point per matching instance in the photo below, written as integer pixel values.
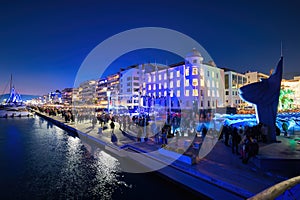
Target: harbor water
(41, 161)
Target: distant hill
(25, 97)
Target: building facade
(233, 82)
(187, 85)
(87, 92)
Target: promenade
(219, 175)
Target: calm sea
(41, 161)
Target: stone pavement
(219, 167)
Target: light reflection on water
(41, 161)
(53, 164)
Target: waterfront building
(67, 95)
(129, 87)
(87, 92)
(191, 84)
(54, 97)
(113, 84)
(101, 93)
(253, 77)
(233, 82)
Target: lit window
(208, 93)
(178, 93)
(159, 77)
(171, 93)
(149, 87)
(187, 82)
(212, 84)
(213, 93)
(187, 72)
(212, 74)
(195, 71)
(178, 83)
(159, 94)
(187, 93)
(202, 82)
(178, 73)
(154, 87)
(171, 75)
(171, 84)
(195, 82)
(149, 79)
(165, 76)
(218, 95)
(154, 78)
(153, 94)
(208, 83)
(159, 86)
(195, 92)
(201, 71)
(217, 84)
(165, 85)
(165, 93)
(144, 85)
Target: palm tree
(285, 100)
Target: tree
(285, 100)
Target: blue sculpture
(265, 95)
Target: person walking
(112, 126)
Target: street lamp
(108, 99)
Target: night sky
(44, 43)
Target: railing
(278, 189)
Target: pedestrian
(112, 126)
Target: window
(178, 83)
(208, 93)
(129, 84)
(227, 93)
(159, 77)
(178, 74)
(165, 85)
(201, 92)
(171, 84)
(165, 93)
(195, 92)
(217, 75)
(194, 61)
(217, 84)
(208, 83)
(149, 79)
(154, 79)
(171, 75)
(213, 74)
(232, 92)
(149, 87)
(208, 103)
(178, 93)
(207, 73)
(226, 81)
(202, 82)
(218, 94)
(129, 90)
(128, 78)
(187, 72)
(165, 76)
(136, 84)
(195, 71)
(187, 93)
(213, 93)
(212, 84)
(213, 103)
(159, 86)
(195, 82)
(187, 82)
(154, 94)
(154, 87)
(171, 93)
(136, 78)
(159, 94)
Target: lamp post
(108, 100)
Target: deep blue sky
(44, 43)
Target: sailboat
(14, 106)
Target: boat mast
(10, 86)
